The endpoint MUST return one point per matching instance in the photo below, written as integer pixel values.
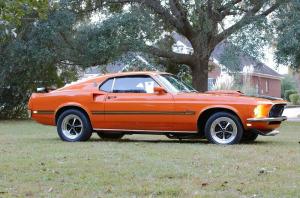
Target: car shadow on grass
(127, 140)
(184, 141)
(172, 141)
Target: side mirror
(159, 90)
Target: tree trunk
(200, 74)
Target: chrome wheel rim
(72, 126)
(223, 130)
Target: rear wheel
(73, 126)
(114, 136)
(223, 128)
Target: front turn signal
(260, 111)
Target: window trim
(126, 76)
(99, 87)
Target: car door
(133, 105)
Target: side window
(134, 84)
(107, 86)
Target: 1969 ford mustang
(121, 104)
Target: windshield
(174, 84)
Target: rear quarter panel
(44, 106)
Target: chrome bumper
(278, 119)
(29, 113)
(271, 133)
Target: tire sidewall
(211, 119)
(86, 131)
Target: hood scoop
(226, 92)
(266, 97)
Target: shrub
(224, 82)
(288, 83)
(287, 94)
(295, 99)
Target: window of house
(256, 88)
(267, 86)
(134, 84)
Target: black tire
(112, 136)
(85, 131)
(233, 138)
(249, 136)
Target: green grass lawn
(34, 162)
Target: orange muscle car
(121, 104)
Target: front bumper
(277, 119)
(29, 113)
(270, 133)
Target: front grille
(276, 110)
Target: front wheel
(73, 126)
(223, 128)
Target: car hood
(239, 94)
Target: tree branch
(172, 56)
(248, 18)
(181, 14)
(156, 6)
(228, 5)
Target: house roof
(245, 60)
(259, 68)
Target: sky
(269, 61)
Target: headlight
(261, 111)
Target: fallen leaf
(262, 171)
(224, 183)
(204, 184)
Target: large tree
(203, 23)
(288, 31)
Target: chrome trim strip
(29, 113)
(135, 130)
(113, 85)
(272, 133)
(143, 112)
(282, 118)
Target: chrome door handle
(111, 97)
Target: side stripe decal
(143, 112)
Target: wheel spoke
(224, 137)
(77, 131)
(74, 121)
(227, 125)
(219, 124)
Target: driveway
(293, 114)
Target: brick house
(261, 78)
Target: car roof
(106, 76)
(109, 75)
